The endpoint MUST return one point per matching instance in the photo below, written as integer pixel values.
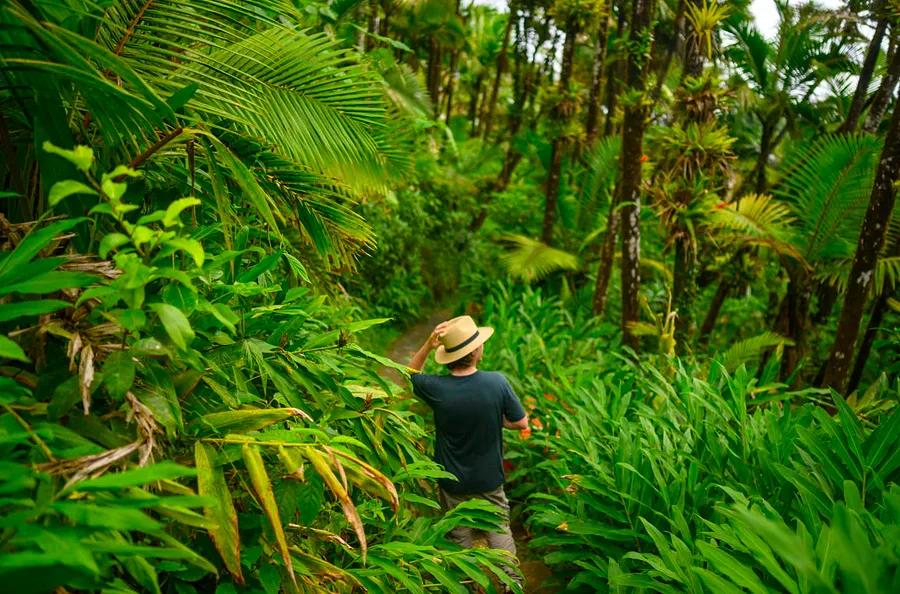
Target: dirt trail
(401, 351)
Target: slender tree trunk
(884, 93)
(793, 319)
(560, 112)
(451, 81)
(865, 349)
(593, 110)
(473, 103)
(765, 149)
(632, 149)
(607, 254)
(433, 73)
(383, 29)
(726, 284)
(487, 117)
(865, 75)
(674, 48)
(871, 240)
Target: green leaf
(110, 242)
(81, 156)
(181, 97)
(211, 483)
(118, 373)
(193, 248)
(107, 516)
(175, 323)
(259, 478)
(50, 282)
(244, 421)
(12, 311)
(174, 210)
(11, 350)
(30, 246)
(135, 477)
(63, 189)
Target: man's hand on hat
(435, 340)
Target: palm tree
(782, 76)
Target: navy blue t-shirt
(468, 416)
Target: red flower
(536, 423)
(721, 205)
(644, 158)
(525, 433)
(550, 397)
(508, 466)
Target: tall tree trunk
(560, 112)
(871, 240)
(865, 349)
(793, 318)
(383, 29)
(613, 71)
(885, 91)
(593, 110)
(632, 149)
(865, 75)
(488, 116)
(607, 254)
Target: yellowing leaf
(243, 421)
(211, 483)
(259, 478)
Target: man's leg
(461, 535)
(503, 539)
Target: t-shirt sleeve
(421, 383)
(512, 408)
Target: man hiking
(471, 409)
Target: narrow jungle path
(401, 351)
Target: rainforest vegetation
(216, 216)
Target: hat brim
(443, 357)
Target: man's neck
(464, 371)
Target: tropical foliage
(217, 215)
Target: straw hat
(460, 338)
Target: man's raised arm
(418, 360)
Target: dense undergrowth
(679, 475)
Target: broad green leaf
(193, 248)
(12, 311)
(259, 478)
(110, 242)
(175, 323)
(174, 210)
(211, 483)
(118, 373)
(11, 350)
(63, 189)
(81, 157)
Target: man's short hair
(464, 362)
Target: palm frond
(529, 259)
(300, 93)
(827, 186)
(746, 350)
(757, 219)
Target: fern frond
(827, 186)
(529, 260)
(746, 350)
